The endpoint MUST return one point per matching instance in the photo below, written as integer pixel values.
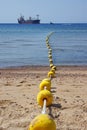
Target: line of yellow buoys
(45, 97)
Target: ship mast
(37, 17)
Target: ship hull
(29, 22)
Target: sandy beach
(19, 88)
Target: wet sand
(19, 88)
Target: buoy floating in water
(50, 56)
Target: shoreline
(19, 87)
(41, 66)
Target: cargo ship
(31, 20)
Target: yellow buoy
(46, 79)
(48, 47)
(54, 67)
(50, 56)
(51, 61)
(53, 70)
(45, 83)
(44, 94)
(47, 38)
(42, 122)
(47, 42)
(50, 50)
(51, 65)
(50, 53)
(51, 74)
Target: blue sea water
(22, 44)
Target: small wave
(28, 44)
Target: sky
(56, 11)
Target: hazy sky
(65, 11)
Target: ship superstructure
(31, 20)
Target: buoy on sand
(42, 122)
(44, 94)
(45, 83)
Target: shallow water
(25, 44)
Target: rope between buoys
(44, 104)
(50, 77)
(42, 121)
(44, 107)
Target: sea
(25, 44)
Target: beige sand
(19, 88)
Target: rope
(44, 107)
(50, 77)
(44, 104)
(45, 98)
